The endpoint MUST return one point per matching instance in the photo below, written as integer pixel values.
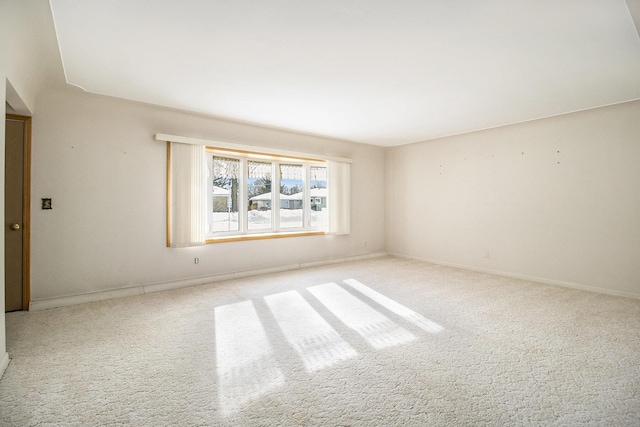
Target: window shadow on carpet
(246, 361)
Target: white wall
(28, 61)
(30, 46)
(555, 199)
(96, 158)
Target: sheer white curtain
(339, 198)
(188, 194)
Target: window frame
(275, 230)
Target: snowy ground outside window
(228, 221)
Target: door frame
(26, 209)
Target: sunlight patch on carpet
(377, 329)
(316, 342)
(246, 363)
(397, 308)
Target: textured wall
(29, 60)
(556, 199)
(96, 158)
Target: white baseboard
(46, 304)
(4, 363)
(525, 277)
(49, 303)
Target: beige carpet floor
(383, 342)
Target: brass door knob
(15, 226)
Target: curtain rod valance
(241, 147)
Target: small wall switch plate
(46, 204)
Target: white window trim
(275, 208)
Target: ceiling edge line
(516, 123)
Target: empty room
(337, 213)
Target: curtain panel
(188, 185)
(339, 198)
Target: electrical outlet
(196, 260)
(485, 254)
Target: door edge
(26, 210)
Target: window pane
(259, 195)
(226, 192)
(318, 196)
(291, 196)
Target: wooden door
(16, 243)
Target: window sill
(263, 236)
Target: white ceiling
(374, 71)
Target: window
(232, 192)
(260, 197)
(318, 193)
(291, 196)
(259, 194)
